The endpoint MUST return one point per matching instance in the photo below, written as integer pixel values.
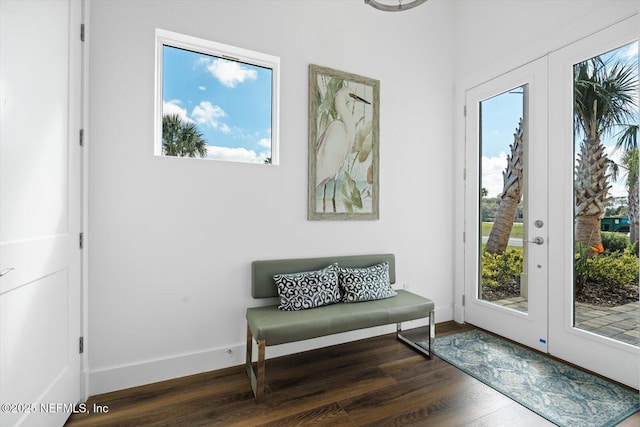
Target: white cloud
(265, 142)
(492, 168)
(203, 88)
(235, 154)
(210, 115)
(631, 51)
(173, 107)
(229, 73)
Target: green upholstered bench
(268, 325)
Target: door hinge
(463, 300)
(464, 111)
(81, 32)
(81, 344)
(81, 240)
(82, 137)
(464, 236)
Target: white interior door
(40, 216)
(499, 112)
(610, 357)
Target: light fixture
(384, 5)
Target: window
(215, 101)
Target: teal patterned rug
(558, 392)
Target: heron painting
(343, 145)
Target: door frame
(84, 200)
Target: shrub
(614, 270)
(500, 270)
(614, 242)
(581, 266)
(611, 270)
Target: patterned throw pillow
(365, 284)
(308, 289)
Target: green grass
(516, 231)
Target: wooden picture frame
(343, 145)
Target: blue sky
(500, 117)
(229, 101)
(500, 120)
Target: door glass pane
(503, 149)
(606, 194)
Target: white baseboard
(444, 314)
(151, 371)
(146, 372)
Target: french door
(506, 205)
(569, 338)
(520, 210)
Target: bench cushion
(279, 327)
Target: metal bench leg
(257, 380)
(431, 338)
(432, 332)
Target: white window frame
(207, 47)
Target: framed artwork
(343, 145)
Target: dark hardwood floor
(373, 382)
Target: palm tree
(628, 140)
(510, 197)
(603, 100)
(182, 138)
(630, 160)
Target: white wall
(496, 36)
(170, 240)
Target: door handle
(6, 270)
(537, 240)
